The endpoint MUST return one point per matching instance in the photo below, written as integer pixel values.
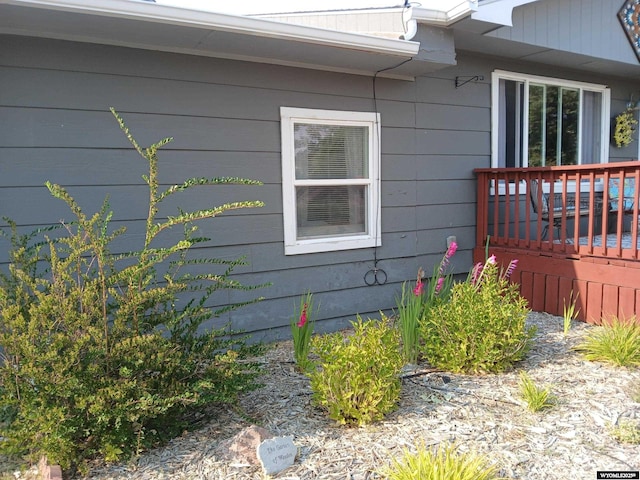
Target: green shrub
(441, 464)
(537, 398)
(104, 355)
(615, 341)
(626, 431)
(357, 377)
(483, 326)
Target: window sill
(331, 245)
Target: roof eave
(498, 12)
(152, 12)
(458, 11)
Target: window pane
(553, 125)
(330, 210)
(569, 126)
(331, 151)
(510, 123)
(537, 125)
(591, 127)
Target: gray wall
(587, 27)
(224, 116)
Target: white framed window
(542, 121)
(330, 180)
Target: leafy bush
(537, 398)
(104, 354)
(356, 380)
(626, 431)
(482, 327)
(615, 341)
(441, 464)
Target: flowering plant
(482, 327)
(479, 273)
(414, 302)
(301, 330)
(441, 281)
(409, 312)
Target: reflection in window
(544, 122)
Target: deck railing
(583, 210)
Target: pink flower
(417, 291)
(447, 257)
(492, 260)
(303, 316)
(477, 272)
(511, 268)
(439, 285)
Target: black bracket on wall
(475, 78)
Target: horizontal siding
(225, 119)
(86, 166)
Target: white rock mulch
(478, 413)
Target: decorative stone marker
(243, 447)
(276, 454)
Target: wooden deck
(590, 244)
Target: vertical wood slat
(496, 207)
(482, 205)
(551, 294)
(636, 213)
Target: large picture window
(330, 181)
(541, 121)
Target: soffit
(474, 42)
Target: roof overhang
(447, 12)
(154, 26)
(498, 12)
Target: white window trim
(295, 246)
(497, 75)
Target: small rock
(243, 447)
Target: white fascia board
(499, 12)
(153, 12)
(447, 14)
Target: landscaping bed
(483, 413)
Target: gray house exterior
(224, 86)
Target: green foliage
(481, 329)
(301, 331)
(569, 312)
(442, 464)
(626, 431)
(409, 309)
(615, 341)
(413, 303)
(104, 355)
(356, 380)
(537, 398)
